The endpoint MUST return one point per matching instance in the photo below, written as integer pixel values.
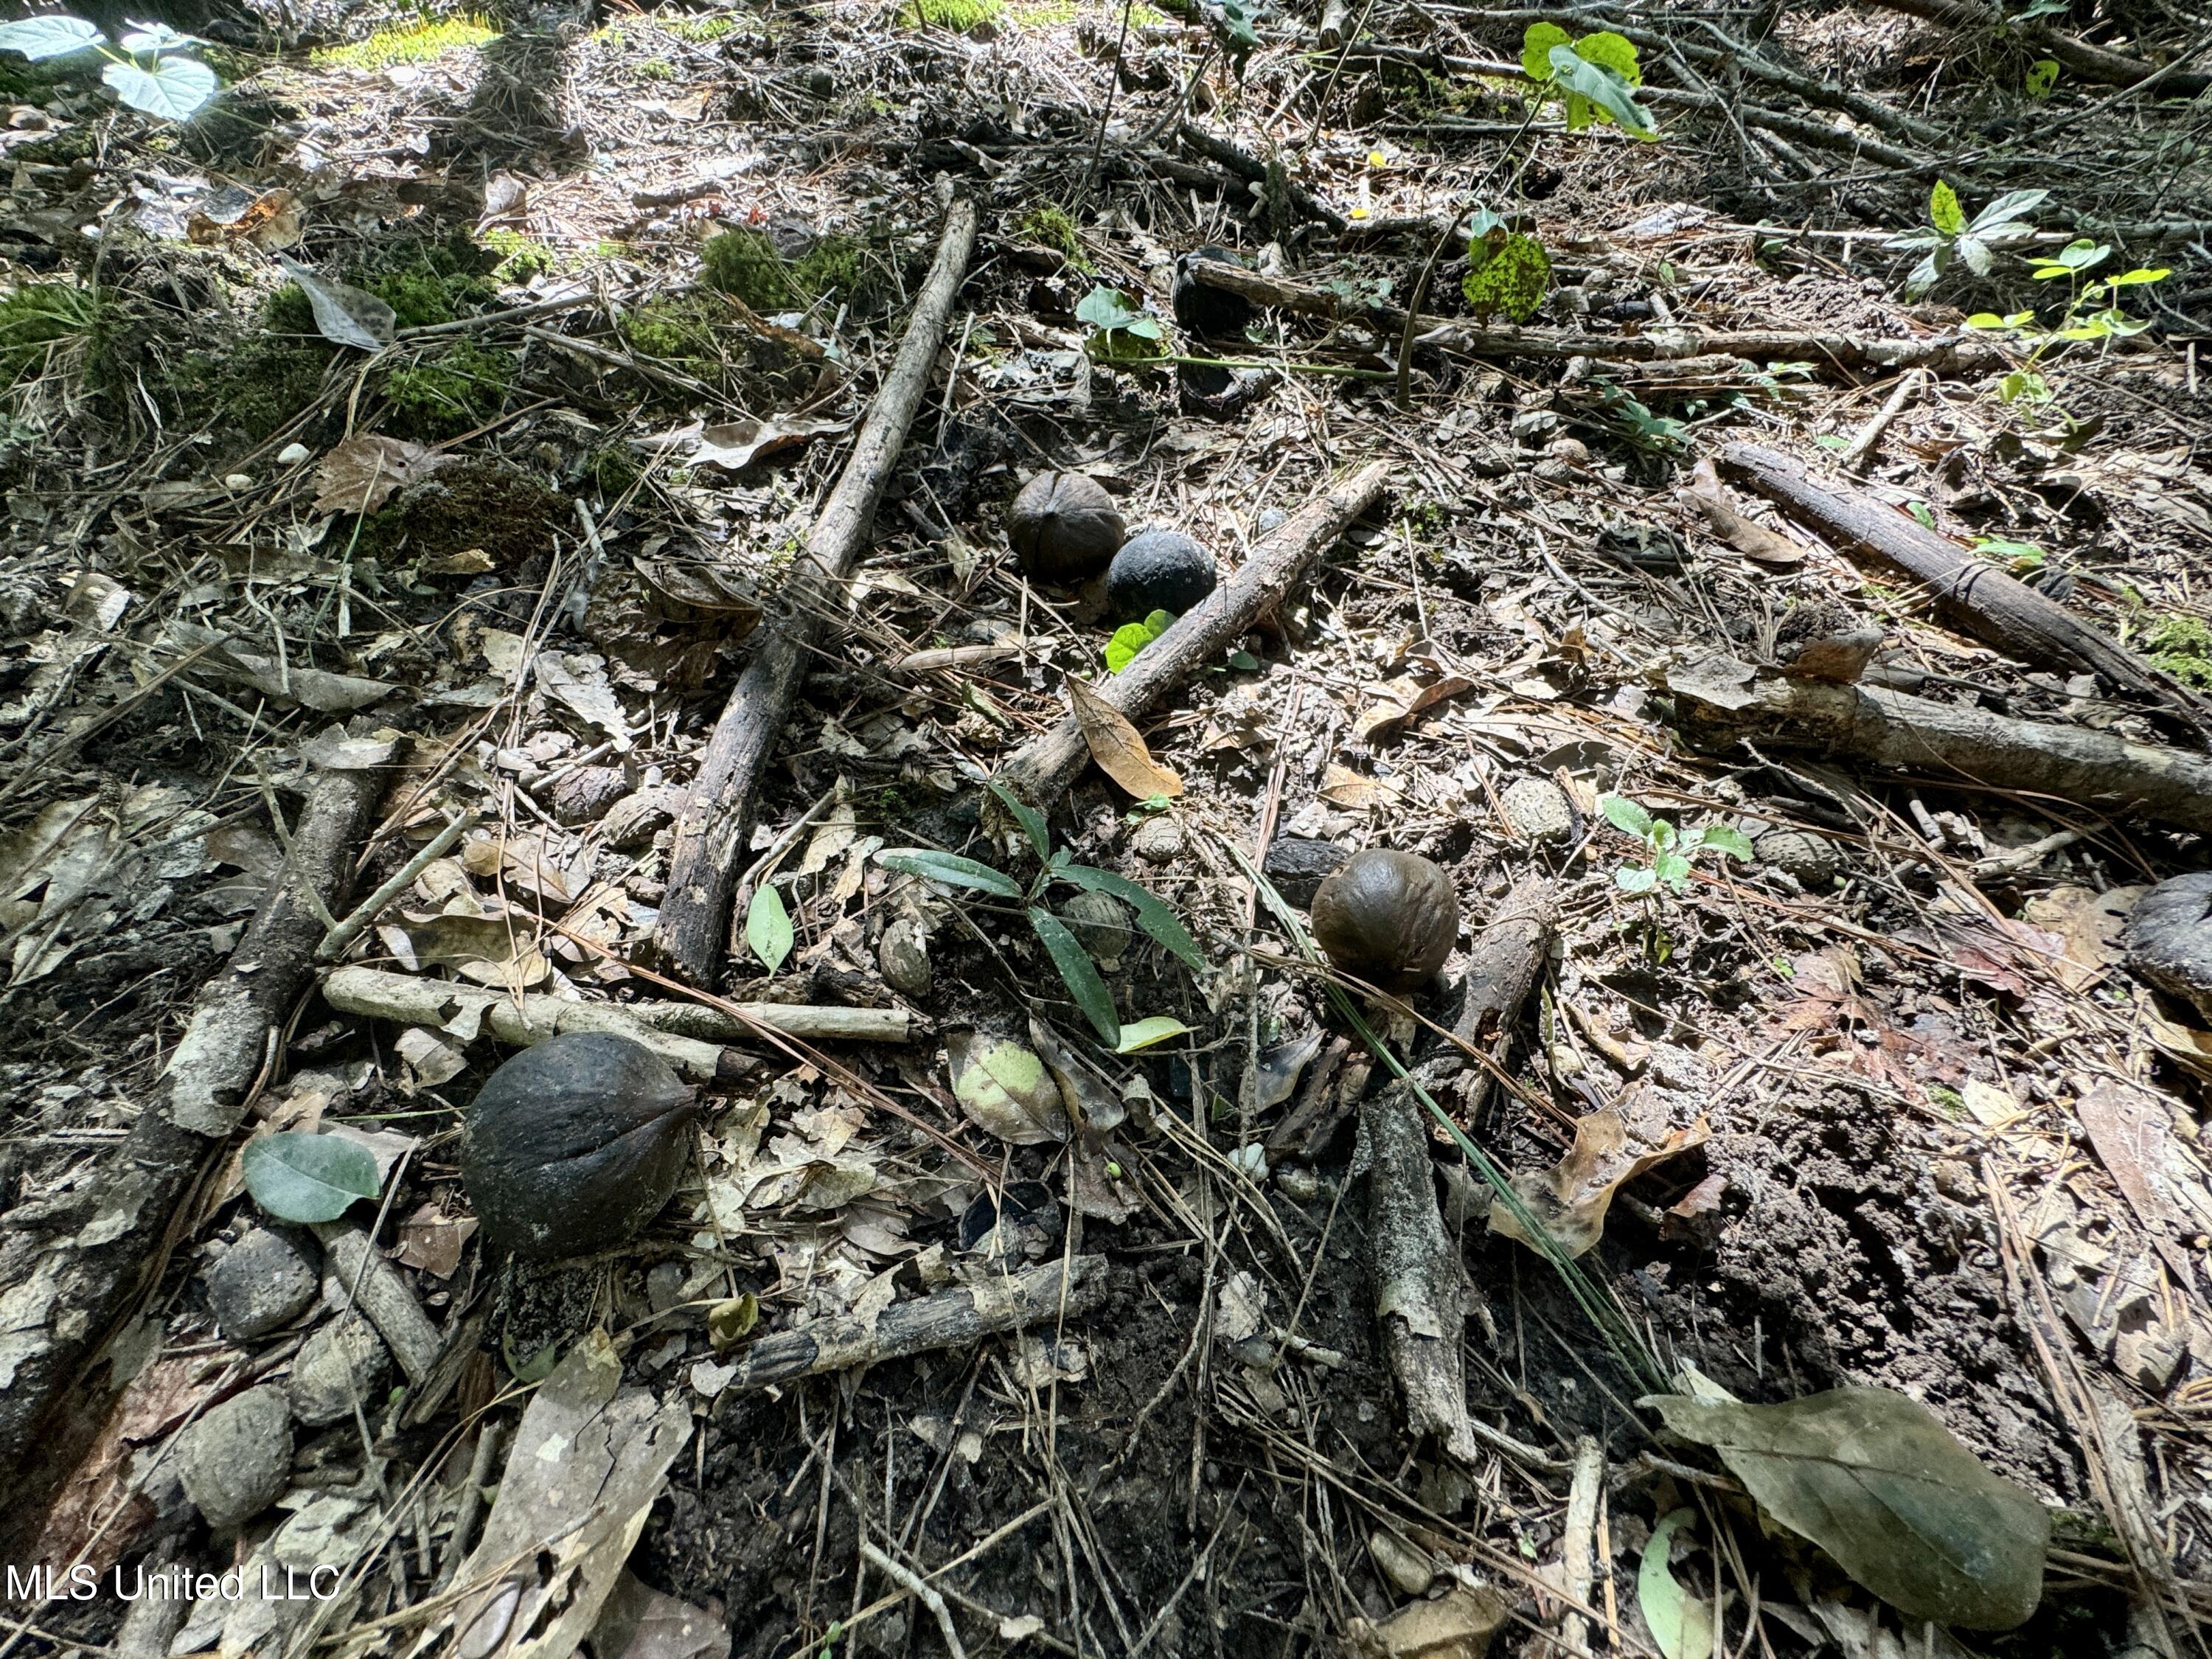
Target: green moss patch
(955, 16)
(2181, 646)
(419, 41)
(43, 322)
(455, 392)
(745, 263)
(475, 506)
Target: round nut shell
(1064, 527)
(1388, 918)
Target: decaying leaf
(737, 444)
(1681, 1624)
(271, 221)
(1458, 1625)
(344, 315)
(1870, 1476)
(432, 1240)
(1762, 546)
(1118, 747)
(1398, 700)
(1006, 1089)
(1570, 1200)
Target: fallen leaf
(1570, 1201)
(737, 445)
(2128, 1128)
(1342, 787)
(1681, 1624)
(1399, 699)
(1118, 747)
(271, 221)
(431, 1240)
(1457, 1624)
(1871, 1477)
(2089, 926)
(640, 1622)
(1762, 546)
(344, 315)
(1006, 1090)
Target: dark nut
(1388, 918)
(574, 1145)
(1064, 527)
(2169, 939)
(1158, 570)
(1210, 312)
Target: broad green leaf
(1130, 638)
(1672, 869)
(1144, 1033)
(158, 37)
(950, 869)
(1681, 1624)
(2083, 254)
(1005, 1089)
(1623, 813)
(1634, 878)
(1615, 52)
(1243, 661)
(1536, 49)
(1976, 252)
(1513, 280)
(1603, 88)
(1108, 307)
(1723, 839)
(1924, 275)
(1076, 968)
(2042, 77)
(1032, 820)
(1943, 209)
(768, 927)
(40, 38)
(1873, 1479)
(2008, 208)
(1985, 319)
(2131, 278)
(301, 1175)
(1153, 914)
(172, 90)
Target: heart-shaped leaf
(40, 38)
(172, 90)
(303, 1176)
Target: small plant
(1130, 638)
(1068, 957)
(2078, 323)
(1596, 75)
(1950, 235)
(954, 16)
(1055, 228)
(420, 40)
(1508, 272)
(2042, 76)
(48, 325)
(1121, 330)
(147, 72)
(746, 262)
(1668, 851)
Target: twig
(334, 942)
(925, 1592)
(1861, 447)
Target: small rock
(636, 818)
(664, 1286)
(292, 454)
(235, 1460)
(1299, 1183)
(582, 794)
(1537, 809)
(260, 1283)
(2169, 939)
(904, 955)
(1297, 865)
(343, 1361)
(1101, 922)
(1158, 839)
(1410, 1570)
(1811, 861)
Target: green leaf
(950, 869)
(2042, 77)
(1130, 638)
(1615, 52)
(1602, 88)
(1873, 1479)
(1623, 813)
(768, 927)
(1672, 869)
(1634, 878)
(1032, 820)
(41, 38)
(1153, 914)
(1513, 280)
(1925, 275)
(158, 37)
(2008, 208)
(301, 1175)
(1536, 49)
(2081, 254)
(1681, 1624)
(1144, 1033)
(1082, 978)
(1108, 307)
(1943, 209)
(1923, 515)
(1976, 252)
(1243, 662)
(172, 88)
(1721, 838)
(2131, 278)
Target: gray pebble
(261, 1282)
(1537, 809)
(342, 1361)
(235, 1460)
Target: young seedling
(2092, 312)
(146, 73)
(1949, 236)
(1668, 851)
(1069, 958)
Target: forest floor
(1879, 1105)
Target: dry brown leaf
(1570, 1201)
(270, 222)
(1399, 700)
(2089, 925)
(431, 1240)
(737, 444)
(360, 474)
(1342, 787)
(1762, 546)
(1118, 747)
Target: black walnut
(1158, 570)
(1212, 313)
(1064, 527)
(574, 1145)
(1388, 918)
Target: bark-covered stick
(1045, 765)
(711, 831)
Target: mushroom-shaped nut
(1064, 527)
(2169, 939)
(1158, 570)
(574, 1145)
(1388, 918)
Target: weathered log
(1045, 765)
(956, 1318)
(1943, 741)
(710, 832)
(1977, 598)
(73, 1279)
(689, 1037)
(2086, 58)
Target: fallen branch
(2090, 62)
(1045, 765)
(710, 832)
(1235, 159)
(1991, 604)
(957, 1318)
(1946, 353)
(689, 1037)
(1502, 970)
(1945, 741)
(76, 1276)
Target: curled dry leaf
(344, 315)
(736, 445)
(1762, 546)
(1118, 747)
(1570, 1201)
(1005, 1089)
